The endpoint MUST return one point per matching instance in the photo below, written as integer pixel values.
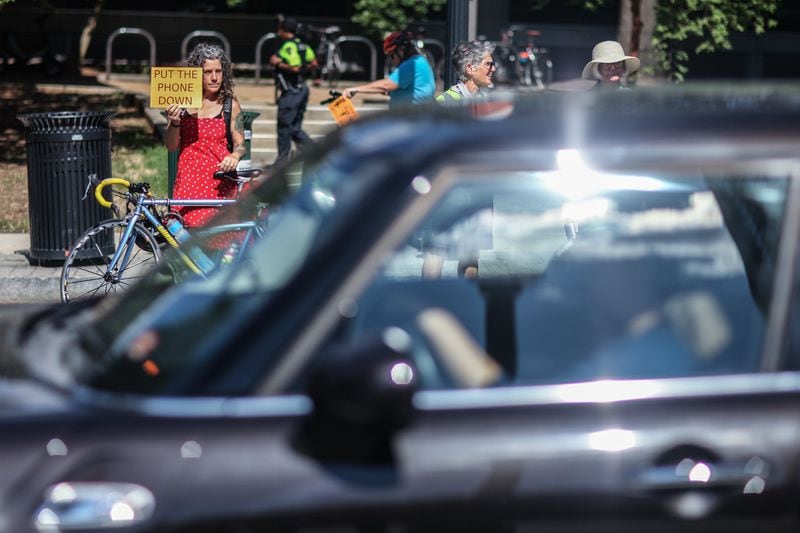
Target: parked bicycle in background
(112, 255)
(520, 60)
(329, 55)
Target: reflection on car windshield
(144, 341)
(562, 278)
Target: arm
(172, 136)
(384, 86)
(276, 61)
(237, 134)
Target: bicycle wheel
(86, 274)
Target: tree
(379, 17)
(684, 27)
(704, 26)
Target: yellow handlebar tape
(98, 191)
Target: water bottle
(230, 254)
(197, 255)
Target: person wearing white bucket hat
(609, 65)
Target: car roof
(708, 121)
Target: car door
(692, 453)
(636, 378)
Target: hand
(350, 92)
(228, 163)
(174, 112)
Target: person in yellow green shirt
(293, 61)
(474, 66)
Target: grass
(143, 164)
(137, 154)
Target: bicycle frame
(140, 210)
(137, 239)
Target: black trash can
(62, 149)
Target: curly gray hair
(203, 52)
(470, 53)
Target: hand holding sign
(182, 86)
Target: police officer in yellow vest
(293, 61)
(474, 65)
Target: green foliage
(146, 163)
(704, 26)
(378, 17)
(686, 27)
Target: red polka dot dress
(203, 147)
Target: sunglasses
(489, 66)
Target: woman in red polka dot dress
(201, 136)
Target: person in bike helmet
(475, 67)
(412, 82)
(610, 66)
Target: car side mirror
(362, 395)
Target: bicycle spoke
(85, 276)
(88, 293)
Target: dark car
(557, 313)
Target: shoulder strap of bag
(227, 105)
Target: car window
(155, 339)
(583, 276)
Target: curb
(23, 283)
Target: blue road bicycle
(111, 255)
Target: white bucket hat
(608, 52)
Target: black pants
(291, 108)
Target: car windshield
(162, 319)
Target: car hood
(25, 397)
(22, 393)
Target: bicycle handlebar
(98, 191)
(334, 95)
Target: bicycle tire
(85, 272)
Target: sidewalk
(21, 282)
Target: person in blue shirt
(412, 82)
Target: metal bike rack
(129, 31)
(435, 42)
(431, 43)
(205, 33)
(373, 53)
(259, 45)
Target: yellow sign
(343, 110)
(176, 85)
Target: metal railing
(205, 33)
(129, 31)
(259, 45)
(373, 53)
